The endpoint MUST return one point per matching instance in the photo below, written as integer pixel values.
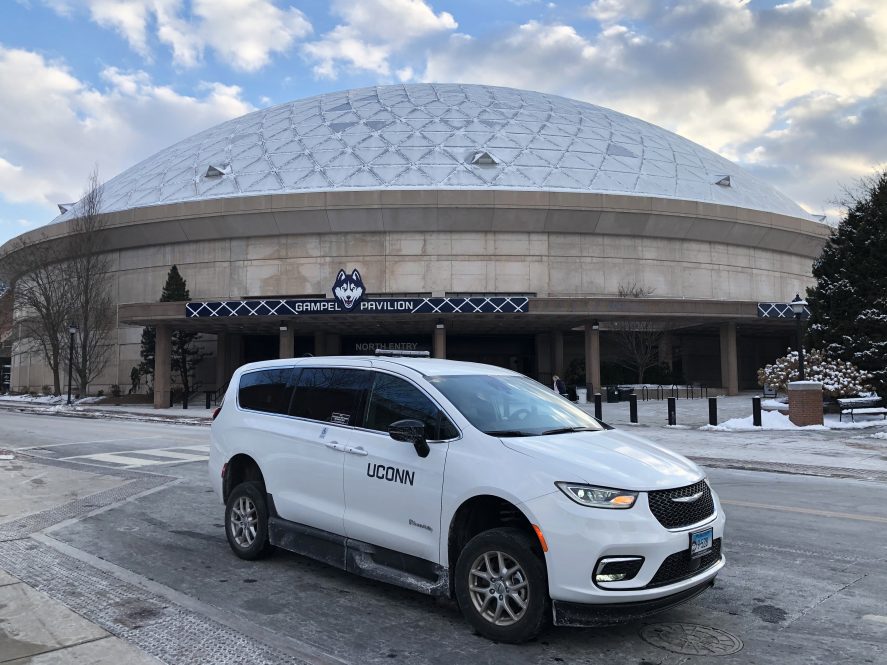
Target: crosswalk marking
(125, 459)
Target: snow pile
(777, 404)
(879, 435)
(769, 420)
(774, 420)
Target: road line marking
(114, 458)
(85, 443)
(808, 511)
(877, 618)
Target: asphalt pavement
(127, 538)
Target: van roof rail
(397, 353)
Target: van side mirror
(410, 431)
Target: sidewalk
(37, 630)
(194, 415)
(34, 628)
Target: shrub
(115, 390)
(839, 379)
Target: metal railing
(661, 391)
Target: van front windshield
(509, 405)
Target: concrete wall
(548, 264)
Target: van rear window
(331, 395)
(267, 390)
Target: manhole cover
(691, 639)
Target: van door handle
(335, 445)
(355, 451)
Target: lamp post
(72, 330)
(798, 307)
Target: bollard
(208, 398)
(712, 411)
(185, 399)
(633, 408)
(756, 411)
(170, 399)
(672, 411)
(598, 411)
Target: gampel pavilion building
(478, 223)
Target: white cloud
(54, 128)
(371, 32)
(245, 34)
(716, 71)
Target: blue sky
(796, 92)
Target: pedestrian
(559, 386)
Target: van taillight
(216, 412)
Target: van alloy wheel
(244, 521)
(500, 590)
(501, 585)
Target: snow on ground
(769, 420)
(879, 435)
(49, 399)
(774, 404)
(774, 420)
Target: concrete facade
(548, 258)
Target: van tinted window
(393, 399)
(331, 394)
(267, 390)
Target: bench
(861, 406)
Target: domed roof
(434, 136)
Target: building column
(543, 358)
(557, 352)
(665, 351)
(332, 344)
(233, 353)
(221, 359)
(319, 347)
(287, 340)
(592, 359)
(440, 341)
(729, 365)
(162, 366)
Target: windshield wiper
(507, 432)
(568, 430)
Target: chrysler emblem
(687, 499)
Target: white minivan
(462, 480)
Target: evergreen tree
(848, 305)
(186, 355)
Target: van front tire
(502, 586)
(246, 521)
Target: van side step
(356, 556)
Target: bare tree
(638, 341)
(634, 290)
(42, 296)
(89, 267)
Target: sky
(795, 92)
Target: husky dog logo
(348, 289)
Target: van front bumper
(582, 615)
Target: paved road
(805, 582)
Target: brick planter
(805, 403)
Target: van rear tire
(246, 521)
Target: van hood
(609, 458)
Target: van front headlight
(598, 497)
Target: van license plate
(700, 543)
